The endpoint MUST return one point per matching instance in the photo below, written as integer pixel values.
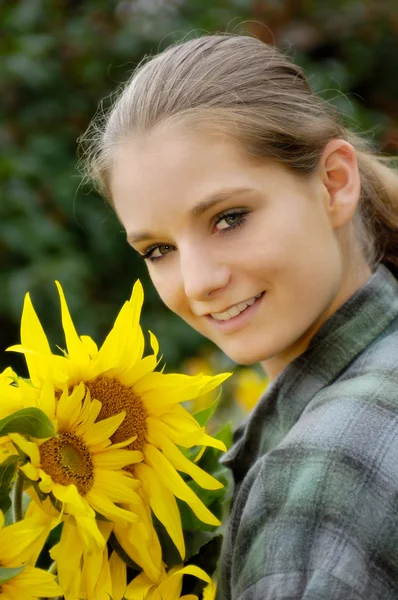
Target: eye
(155, 253)
(230, 220)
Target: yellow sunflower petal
(163, 504)
(108, 509)
(154, 343)
(75, 504)
(46, 483)
(47, 399)
(95, 562)
(171, 479)
(90, 346)
(181, 427)
(69, 406)
(29, 448)
(16, 542)
(181, 463)
(141, 543)
(124, 344)
(30, 471)
(32, 581)
(89, 533)
(116, 459)
(76, 349)
(90, 411)
(161, 391)
(68, 554)
(33, 336)
(117, 486)
(102, 430)
(138, 588)
(138, 371)
(118, 572)
(45, 366)
(170, 588)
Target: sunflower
(121, 379)
(80, 467)
(17, 542)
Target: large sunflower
(80, 467)
(17, 543)
(121, 379)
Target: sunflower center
(67, 460)
(116, 397)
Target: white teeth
(235, 310)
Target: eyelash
(239, 213)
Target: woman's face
(245, 253)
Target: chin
(244, 358)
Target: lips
(235, 310)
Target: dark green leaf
(5, 502)
(28, 421)
(195, 540)
(7, 470)
(9, 573)
(205, 415)
(225, 435)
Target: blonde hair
(262, 100)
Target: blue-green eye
(157, 252)
(230, 220)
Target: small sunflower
(80, 467)
(121, 379)
(17, 543)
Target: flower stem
(53, 568)
(17, 497)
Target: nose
(202, 273)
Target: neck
(351, 282)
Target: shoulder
(325, 499)
(357, 415)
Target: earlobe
(340, 177)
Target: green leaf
(5, 502)
(28, 421)
(225, 435)
(9, 573)
(204, 416)
(7, 470)
(195, 540)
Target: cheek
(169, 288)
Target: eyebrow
(197, 211)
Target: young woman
(272, 230)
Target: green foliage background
(59, 58)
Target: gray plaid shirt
(315, 511)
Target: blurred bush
(61, 57)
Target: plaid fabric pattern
(315, 510)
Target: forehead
(174, 161)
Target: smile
(235, 310)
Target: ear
(340, 176)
